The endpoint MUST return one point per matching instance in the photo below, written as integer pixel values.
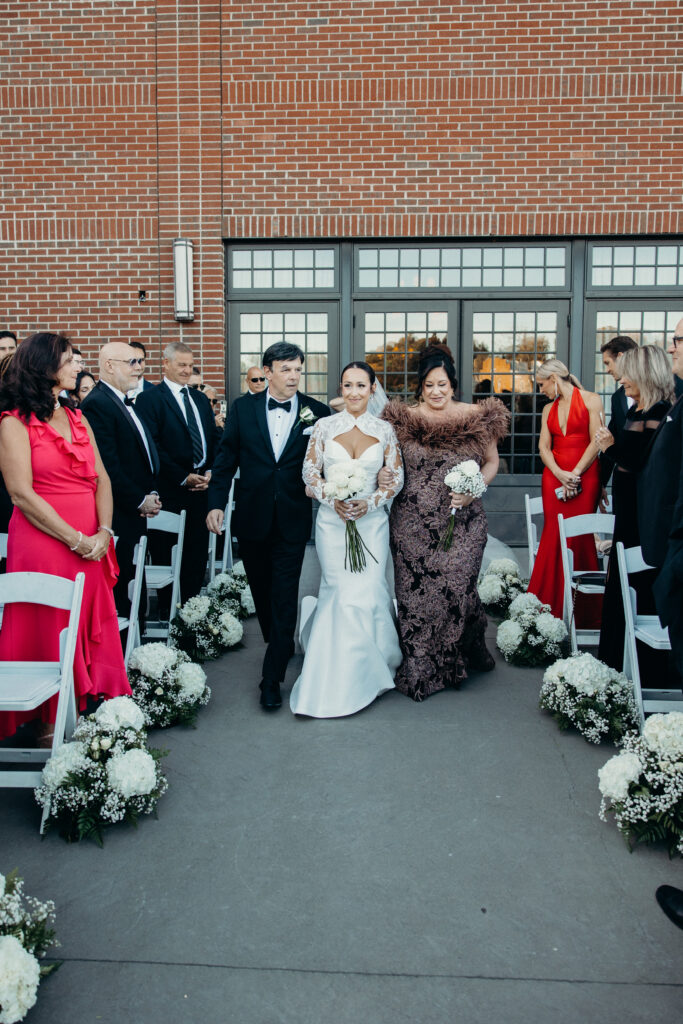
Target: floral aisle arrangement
(232, 593)
(499, 585)
(167, 686)
(463, 478)
(642, 786)
(106, 774)
(26, 933)
(346, 480)
(531, 635)
(204, 630)
(585, 693)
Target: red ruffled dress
(64, 475)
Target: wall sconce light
(183, 293)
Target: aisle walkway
(433, 863)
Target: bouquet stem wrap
(447, 536)
(354, 555)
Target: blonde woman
(571, 478)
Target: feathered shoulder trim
(484, 422)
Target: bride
(351, 643)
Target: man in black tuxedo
(611, 352)
(129, 456)
(142, 383)
(660, 511)
(266, 436)
(180, 420)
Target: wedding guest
(195, 380)
(61, 523)
(256, 380)
(85, 382)
(648, 384)
(441, 620)
(611, 352)
(568, 452)
(143, 384)
(8, 343)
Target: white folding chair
(131, 622)
(532, 507)
(159, 576)
(4, 537)
(581, 581)
(25, 685)
(649, 630)
(226, 562)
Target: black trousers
(273, 568)
(195, 548)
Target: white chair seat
(157, 576)
(26, 684)
(650, 631)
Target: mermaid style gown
(351, 642)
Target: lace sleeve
(394, 463)
(312, 471)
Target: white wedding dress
(350, 642)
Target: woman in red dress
(568, 452)
(61, 524)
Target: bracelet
(107, 528)
(80, 538)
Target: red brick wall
(124, 125)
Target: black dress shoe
(270, 695)
(671, 902)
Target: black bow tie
(272, 404)
(128, 401)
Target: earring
(556, 390)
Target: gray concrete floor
(430, 863)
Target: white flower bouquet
(499, 585)
(106, 774)
(345, 480)
(204, 629)
(464, 478)
(643, 785)
(585, 693)
(232, 593)
(167, 686)
(26, 933)
(531, 635)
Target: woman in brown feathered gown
(441, 620)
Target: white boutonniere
(306, 417)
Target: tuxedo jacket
(270, 493)
(660, 507)
(158, 409)
(124, 457)
(619, 408)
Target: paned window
(636, 266)
(270, 269)
(460, 267)
(309, 331)
(645, 326)
(393, 342)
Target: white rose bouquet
(167, 687)
(643, 785)
(590, 696)
(204, 628)
(499, 585)
(464, 478)
(531, 635)
(26, 933)
(106, 774)
(346, 480)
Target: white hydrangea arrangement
(499, 585)
(167, 687)
(531, 635)
(204, 628)
(26, 933)
(590, 696)
(643, 785)
(93, 781)
(232, 593)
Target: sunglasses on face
(256, 380)
(129, 362)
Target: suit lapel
(121, 407)
(170, 400)
(259, 406)
(299, 426)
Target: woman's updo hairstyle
(358, 365)
(437, 355)
(551, 366)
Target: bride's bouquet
(345, 480)
(463, 478)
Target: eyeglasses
(130, 362)
(676, 338)
(256, 380)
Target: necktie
(272, 404)
(128, 401)
(197, 447)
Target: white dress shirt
(280, 423)
(141, 430)
(134, 392)
(176, 389)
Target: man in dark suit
(611, 352)
(142, 384)
(660, 511)
(129, 456)
(266, 436)
(180, 420)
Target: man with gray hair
(180, 420)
